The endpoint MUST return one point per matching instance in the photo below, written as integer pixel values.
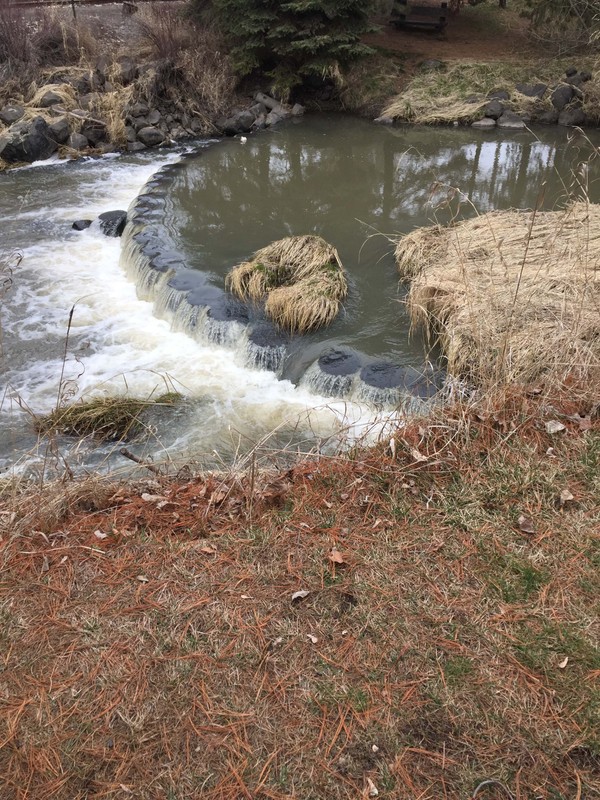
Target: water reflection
(347, 179)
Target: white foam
(118, 345)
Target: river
(346, 179)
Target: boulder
(112, 223)
(27, 141)
(532, 90)
(135, 147)
(485, 124)
(260, 123)
(150, 136)
(138, 110)
(510, 121)
(572, 117)
(273, 118)
(196, 125)
(11, 113)
(81, 224)
(297, 110)
(60, 130)
(562, 96)
(570, 71)
(77, 141)
(384, 120)
(494, 109)
(94, 131)
(137, 123)
(50, 98)
(431, 64)
(154, 117)
(546, 117)
(498, 94)
(130, 133)
(89, 101)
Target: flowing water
(345, 179)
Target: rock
(138, 110)
(135, 147)
(177, 132)
(11, 113)
(60, 130)
(499, 94)
(109, 87)
(570, 72)
(585, 76)
(81, 224)
(127, 69)
(510, 121)
(431, 64)
(154, 117)
(562, 96)
(572, 117)
(81, 83)
(96, 82)
(77, 141)
(485, 124)
(150, 136)
(196, 125)
(94, 131)
(536, 90)
(273, 118)
(89, 101)
(546, 117)
(27, 141)
(297, 110)
(102, 67)
(260, 123)
(384, 120)
(240, 123)
(130, 133)
(472, 99)
(50, 98)
(112, 223)
(137, 123)
(494, 109)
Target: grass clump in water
(301, 279)
(104, 418)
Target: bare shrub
(164, 32)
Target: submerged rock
(485, 124)
(339, 362)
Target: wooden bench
(424, 17)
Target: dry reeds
(301, 278)
(510, 295)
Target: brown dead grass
(510, 295)
(151, 646)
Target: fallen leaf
(299, 595)
(418, 456)
(327, 504)
(313, 639)
(336, 557)
(554, 426)
(142, 579)
(566, 497)
(344, 496)
(153, 498)
(100, 535)
(208, 550)
(374, 748)
(526, 524)
(245, 597)
(373, 790)
(564, 662)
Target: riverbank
(410, 621)
(149, 79)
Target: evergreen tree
(292, 40)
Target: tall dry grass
(510, 295)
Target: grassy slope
(152, 649)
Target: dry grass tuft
(301, 277)
(106, 418)
(512, 294)
(67, 94)
(151, 647)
